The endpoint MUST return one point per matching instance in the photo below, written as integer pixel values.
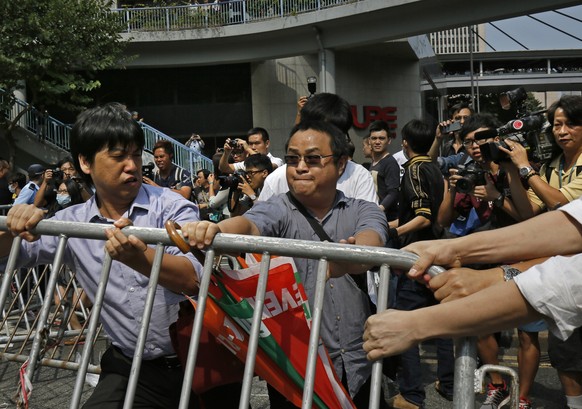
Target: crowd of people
(441, 196)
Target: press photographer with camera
(448, 141)
(250, 183)
(478, 191)
(559, 180)
(257, 142)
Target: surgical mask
(63, 200)
(11, 188)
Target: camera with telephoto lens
(148, 170)
(232, 181)
(472, 175)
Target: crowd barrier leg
(381, 305)
(91, 333)
(314, 334)
(41, 334)
(255, 330)
(196, 330)
(513, 387)
(465, 365)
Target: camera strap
(315, 225)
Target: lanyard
(560, 170)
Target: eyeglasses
(469, 142)
(310, 160)
(252, 173)
(461, 117)
(63, 192)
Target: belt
(168, 361)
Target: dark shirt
(5, 195)
(386, 175)
(421, 194)
(177, 178)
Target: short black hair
(379, 125)
(260, 131)
(108, 125)
(329, 108)
(205, 172)
(572, 107)
(165, 145)
(259, 161)
(19, 178)
(457, 107)
(481, 120)
(338, 142)
(419, 135)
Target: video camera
(527, 130)
(472, 175)
(148, 170)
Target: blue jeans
(411, 295)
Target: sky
(535, 35)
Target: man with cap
(28, 192)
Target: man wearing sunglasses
(315, 160)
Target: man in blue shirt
(106, 145)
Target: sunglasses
(310, 160)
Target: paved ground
(53, 387)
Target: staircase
(46, 140)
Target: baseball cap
(36, 169)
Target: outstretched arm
(495, 308)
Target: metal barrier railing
(216, 14)
(465, 362)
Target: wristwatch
(509, 272)
(253, 197)
(499, 201)
(525, 170)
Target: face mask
(63, 200)
(11, 188)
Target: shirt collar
(141, 201)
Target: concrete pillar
(327, 70)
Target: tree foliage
(52, 49)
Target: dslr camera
(232, 181)
(472, 175)
(57, 173)
(233, 144)
(148, 170)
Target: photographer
(448, 140)
(196, 143)
(257, 168)
(559, 181)
(478, 192)
(169, 175)
(257, 142)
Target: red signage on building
(374, 113)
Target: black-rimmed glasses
(252, 173)
(310, 160)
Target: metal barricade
(465, 363)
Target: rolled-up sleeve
(554, 289)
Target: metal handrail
(56, 133)
(217, 14)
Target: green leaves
(55, 47)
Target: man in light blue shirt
(106, 145)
